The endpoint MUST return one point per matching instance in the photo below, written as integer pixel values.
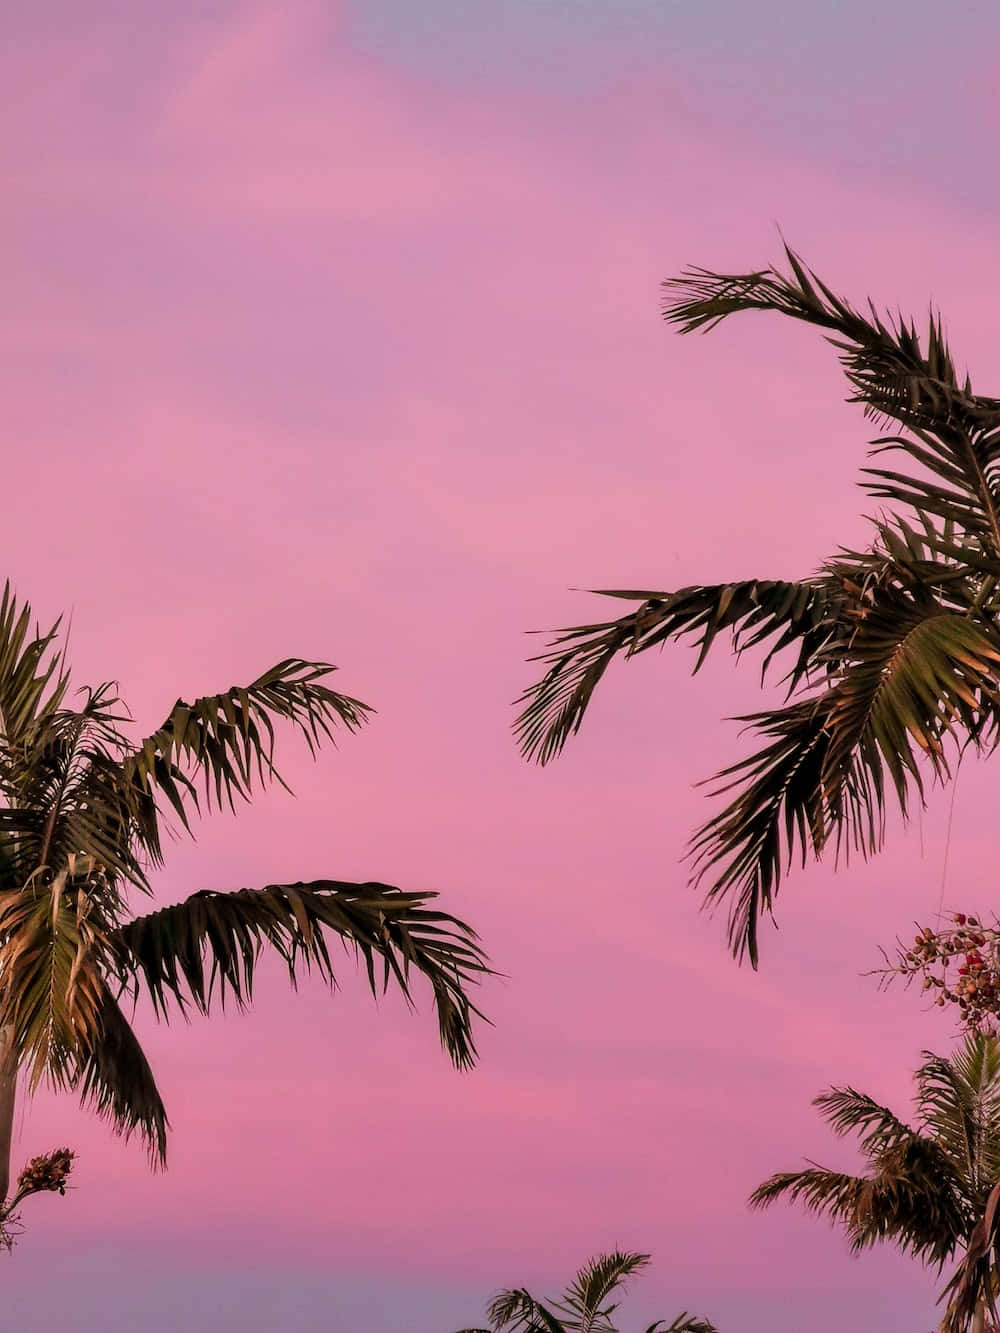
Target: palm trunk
(8, 1087)
(979, 1318)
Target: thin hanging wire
(947, 836)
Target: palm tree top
(889, 653)
(586, 1306)
(932, 1189)
(83, 806)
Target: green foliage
(585, 1306)
(931, 1190)
(81, 811)
(891, 653)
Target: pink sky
(309, 351)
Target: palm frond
(779, 804)
(113, 1076)
(848, 1111)
(54, 951)
(959, 1103)
(888, 368)
(974, 1283)
(683, 1323)
(518, 1311)
(228, 739)
(902, 1200)
(212, 941)
(67, 794)
(584, 1299)
(33, 679)
(913, 673)
(752, 611)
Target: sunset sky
(333, 331)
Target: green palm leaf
(893, 650)
(54, 951)
(583, 1307)
(33, 680)
(113, 1077)
(585, 1298)
(752, 611)
(932, 1190)
(228, 739)
(80, 824)
(211, 943)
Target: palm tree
(82, 812)
(583, 1307)
(933, 1190)
(893, 650)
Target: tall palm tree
(584, 1306)
(82, 812)
(932, 1190)
(892, 651)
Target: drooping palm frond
(228, 739)
(113, 1076)
(753, 612)
(898, 1202)
(210, 944)
(974, 1284)
(893, 650)
(779, 804)
(55, 949)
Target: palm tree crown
(82, 809)
(933, 1190)
(893, 650)
(585, 1306)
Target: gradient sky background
(334, 331)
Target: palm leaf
(883, 359)
(518, 1311)
(33, 680)
(211, 942)
(911, 671)
(974, 1283)
(683, 1323)
(901, 1200)
(113, 1076)
(54, 950)
(228, 738)
(959, 1104)
(584, 1300)
(779, 804)
(752, 611)
(848, 1111)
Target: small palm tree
(584, 1307)
(894, 650)
(82, 811)
(934, 1190)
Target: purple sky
(339, 337)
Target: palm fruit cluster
(48, 1172)
(962, 963)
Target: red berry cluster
(47, 1172)
(962, 962)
